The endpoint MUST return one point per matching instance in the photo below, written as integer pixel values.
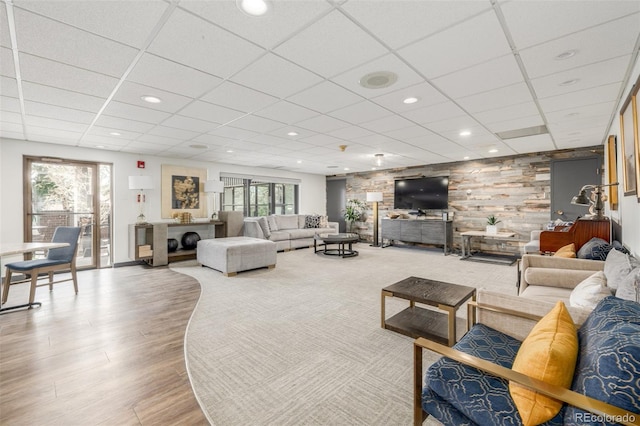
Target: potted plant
(353, 212)
(492, 224)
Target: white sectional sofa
(289, 231)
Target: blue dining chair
(58, 259)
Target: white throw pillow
(616, 267)
(589, 292)
(627, 287)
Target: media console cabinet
(422, 231)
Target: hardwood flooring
(111, 355)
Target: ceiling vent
(378, 80)
(521, 133)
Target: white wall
(312, 187)
(628, 213)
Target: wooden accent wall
(515, 189)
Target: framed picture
(612, 171)
(628, 138)
(182, 191)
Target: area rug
(301, 344)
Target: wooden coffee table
(420, 322)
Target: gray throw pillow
(616, 268)
(273, 225)
(262, 221)
(627, 287)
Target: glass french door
(70, 193)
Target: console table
(424, 231)
(466, 246)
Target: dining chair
(58, 259)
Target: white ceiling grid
(235, 87)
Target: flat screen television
(425, 193)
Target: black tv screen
(422, 193)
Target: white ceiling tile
(409, 132)
(256, 124)
(537, 143)
(285, 18)
(131, 93)
(51, 123)
(406, 76)
(589, 76)
(10, 127)
(172, 77)
(108, 142)
(49, 133)
(9, 87)
(331, 45)
(425, 93)
(435, 113)
(507, 113)
(49, 39)
(533, 22)
(146, 115)
(587, 112)
(322, 124)
(5, 39)
(159, 140)
(65, 98)
(270, 141)
(7, 67)
(11, 117)
(276, 76)
(210, 48)
(607, 41)
(387, 124)
(239, 97)
(350, 132)
(9, 104)
(323, 140)
(608, 92)
(459, 46)
(397, 26)
(361, 112)
(51, 111)
(55, 74)
(233, 132)
(124, 135)
(325, 97)
(9, 134)
(514, 124)
(213, 141)
(286, 112)
(498, 98)
(187, 123)
(116, 123)
(209, 112)
(487, 76)
(173, 133)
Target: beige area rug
(301, 344)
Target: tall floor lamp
(375, 197)
(141, 183)
(214, 187)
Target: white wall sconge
(213, 187)
(140, 183)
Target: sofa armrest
(335, 226)
(568, 396)
(252, 228)
(557, 271)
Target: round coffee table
(343, 240)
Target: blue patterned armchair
(470, 384)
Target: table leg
(451, 311)
(471, 313)
(383, 295)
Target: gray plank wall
(515, 189)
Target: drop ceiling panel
(187, 123)
(537, 143)
(173, 133)
(586, 112)
(434, 56)
(597, 44)
(322, 123)
(146, 115)
(131, 93)
(487, 76)
(605, 93)
(276, 76)
(11, 117)
(239, 97)
(141, 147)
(51, 111)
(285, 18)
(10, 127)
(211, 49)
(409, 132)
(425, 93)
(5, 39)
(233, 132)
(160, 140)
(59, 97)
(507, 113)
(172, 77)
(135, 19)
(456, 124)
(108, 142)
(397, 26)
(286, 112)
(387, 124)
(51, 123)
(116, 123)
(350, 132)
(89, 51)
(331, 46)
(498, 98)
(518, 123)
(361, 112)
(62, 76)
(269, 140)
(210, 112)
(9, 87)
(435, 113)
(534, 22)
(325, 97)
(106, 133)
(67, 136)
(9, 104)
(7, 67)
(322, 140)
(5, 133)
(257, 124)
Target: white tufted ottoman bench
(236, 254)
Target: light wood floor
(112, 355)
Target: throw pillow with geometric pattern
(312, 221)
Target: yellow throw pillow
(567, 251)
(549, 353)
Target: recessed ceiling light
(493, 150)
(345, 169)
(410, 100)
(374, 168)
(566, 55)
(292, 134)
(569, 82)
(299, 161)
(332, 167)
(198, 146)
(114, 133)
(253, 7)
(151, 99)
(465, 133)
(378, 80)
(229, 151)
(466, 157)
(100, 146)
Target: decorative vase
(190, 240)
(172, 245)
(492, 229)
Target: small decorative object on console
(172, 245)
(492, 224)
(190, 240)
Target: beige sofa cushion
(547, 294)
(286, 221)
(553, 277)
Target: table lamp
(213, 187)
(583, 200)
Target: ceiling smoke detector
(378, 80)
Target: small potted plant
(492, 224)
(354, 212)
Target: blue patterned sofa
(607, 371)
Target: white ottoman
(236, 254)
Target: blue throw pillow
(594, 249)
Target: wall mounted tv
(425, 193)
